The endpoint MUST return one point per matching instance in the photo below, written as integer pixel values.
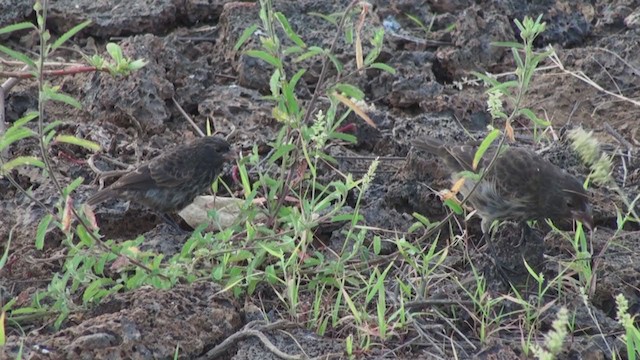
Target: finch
(172, 180)
(520, 186)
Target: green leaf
(491, 137)
(116, 52)
(5, 255)
(503, 86)
(383, 67)
(377, 244)
(67, 35)
(3, 337)
(454, 206)
(274, 251)
(531, 116)
(335, 62)
(137, 64)
(423, 219)
(70, 139)
(21, 161)
(328, 18)
(350, 90)
(510, 44)
(313, 51)
(25, 119)
(18, 56)
(288, 30)
(487, 79)
(274, 83)
(61, 97)
(416, 20)
(292, 50)
(51, 126)
(295, 78)
(17, 27)
(42, 230)
(268, 58)
(345, 137)
(517, 58)
(14, 134)
(280, 151)
(246, 34)
(346, 217)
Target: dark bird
(172, 180)
(520, 186)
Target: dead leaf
(228, 210)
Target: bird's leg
(525, 231)
(494, 256)
(167, 219)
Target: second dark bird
(520, 186)
(171, 181)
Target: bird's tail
(100, 196)
(429, 144)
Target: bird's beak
(584, 217)
(231, 155)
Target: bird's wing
(138, 179)
(519, 172)
(461, 157)
(172, 169)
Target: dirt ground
(189, 49)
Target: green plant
(554, 340)
(87, 255)
(632, 333)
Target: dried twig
(186, 116)
(247, 331)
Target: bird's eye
(570, 205)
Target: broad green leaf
(116, 52)
(17, 27)
(51, 126)
(246, 34)
(335, 62)
(350, 90)
(70, 139)
(275, 252)
(487, 79)
(137, 64)
(21, 161)
(280, 151)
(531, 116)
(42, 230)
(14, 134)
(491, 137)
(25, 119)
(511, 44)
(383, 67)
(3, 337)
(313, 51)
(517, 58)
(288, 30)
(268, 58)
(328, 18)
(54, 95)
(423, 219)
(503, 86)
(18, 56)
(292, 50)
(454, 206)
(67, 35)
(295, 78)
(5, 255)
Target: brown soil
(189, 49)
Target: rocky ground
(189, 46)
